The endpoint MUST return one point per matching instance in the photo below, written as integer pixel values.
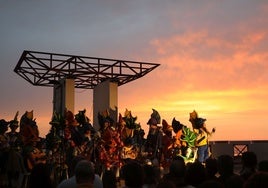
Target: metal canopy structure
(46, 69)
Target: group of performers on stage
(109, 147)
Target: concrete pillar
(105, 96)
(63, 96)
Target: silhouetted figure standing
(176, 173)
(84, 174)
(211, 168)
(195, 174)
(249, 164)
(133, 174)
(226, 171)
(153, 145)
(71, 182)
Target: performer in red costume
(110, 143)
(167, 142)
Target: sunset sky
(213, 56)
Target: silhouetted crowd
(215, 173)
(74, 154)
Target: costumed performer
(153, 145)
(167, 144)
(110, 144)
(30, 134)
(202, 142)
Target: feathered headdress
(166, 126)
(4, 123)
(15, 123)
(196, 121)
(155, 118)
(130, 120)
(104, 117)
(176, 125)
(70, 118)
(81, 117)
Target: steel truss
(46, 69)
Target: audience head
(249, 159)
(84, 173)
(74, 162)
(225, 165)
(133, 174)
(211, 167)
(249, 164)
(177, 167)
(195, 174)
